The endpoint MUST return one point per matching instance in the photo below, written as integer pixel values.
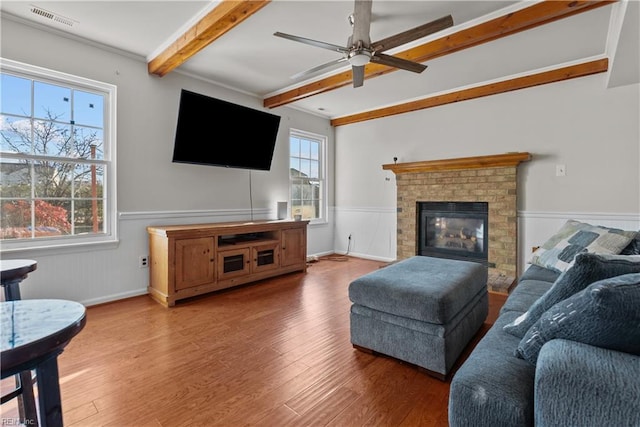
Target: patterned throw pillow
(606, 314)
(588, 268)
(559, 252)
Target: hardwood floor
(275, 353)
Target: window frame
(322, 171)
(110, 235)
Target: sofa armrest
(581, 385)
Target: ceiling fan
(360, 51)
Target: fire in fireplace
(455, 230)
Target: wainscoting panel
(372, 231)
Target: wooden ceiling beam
(224, 17)
(545, 77)
(511, 23)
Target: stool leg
(12, 289)
(26, 400)
(49, 393)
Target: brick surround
(485, 179)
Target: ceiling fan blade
(413, 34)
(394, 61)
(318, 68)
(323, 45)
(357, 73)
(361, 22)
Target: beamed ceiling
(493, 47)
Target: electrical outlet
(143, 261)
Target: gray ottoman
(421, 310)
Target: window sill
(59, 249)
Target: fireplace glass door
(455, 230)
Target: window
(307, 175)
(57, 165)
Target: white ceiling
(250, 59)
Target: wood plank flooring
(274, 353)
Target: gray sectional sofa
(587, 374)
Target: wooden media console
(190, 260)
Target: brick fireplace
(490, 179)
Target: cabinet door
(195, 263)
(294, 246)
(233, 263)
(265, 257)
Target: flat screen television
(214, 132)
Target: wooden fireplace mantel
(478, 162)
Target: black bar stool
(12, 273)
(35, 334)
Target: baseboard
(114, 297)
(366, 256)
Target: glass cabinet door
(233, 263)
(265, 257)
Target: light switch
(561, 170)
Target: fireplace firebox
(454, 230)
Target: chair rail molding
(236, 213)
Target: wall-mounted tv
(214, 132)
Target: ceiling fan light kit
(360, 51)
(359, 58)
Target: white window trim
(322, 167)
(110, 237)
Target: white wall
(592, 130)
(151, 189)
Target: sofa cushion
(605, 383)
(533, 283)
(606, 314)
(558, 253)
(588, 268)
(493, 387)
(524, 295)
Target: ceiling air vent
(52, 16)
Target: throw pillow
(588, 268)
(559, 252)
(606, 314)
